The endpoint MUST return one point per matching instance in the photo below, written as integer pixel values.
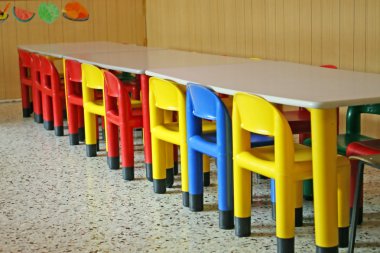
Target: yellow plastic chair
(92, 80)
(286, 162)
(166, 98)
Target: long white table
(59, 50)
(318, 89)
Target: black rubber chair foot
(58, 130)
(128, 173)
(38, 118)
(149, 172)
(343, 237)
(81, 133)
(169, 177)
(113, 162)
(360, 215)
(49, 125)
(285, 245)
(175, 168)
(97, 145)
(196, 202)
(327, 250)
(25, 112)
(91, 150)
(226, 219)
(299, 217)
(242, 227)
(206, 179)
(74, 139)
(159, 185)
(185, 199)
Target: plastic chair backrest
(73, 71)
(36, 68)
(117, 96)
(47, 67)
(256, 115)
(167, 95)
(204, 101)
(25, 59)
(92, 77)
(112, 85)
(353, 124)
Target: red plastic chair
(369, 147)
(53, 94)
(26, 82)
(123, 112)
(37, 88)
(74, 101)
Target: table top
(59, 50)
(282, 82)
(138, 62)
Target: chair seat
(262, 159)
(364, 147)
(345, 139)
(170, 131)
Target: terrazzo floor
(54, 199)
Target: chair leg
(113, 158)
(80, 123)
(169, 164)
(73, 124)
(58, 115)
(158, 164)
(127, 152)
(343, 185)
(47, 112)
(242, 201)
(184, 173)
(355, 214)
(37, 106)
(299, 204)
(25, 101)
(175, 156)
(90, 133)
(225, 191)
(285, 214)
(206, 170)
(195, 180)
(354, 175)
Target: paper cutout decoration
(48, 12)
(4, 13)
(75, 11)
(22, 15)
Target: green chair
(352, 134)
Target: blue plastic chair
(202, 103)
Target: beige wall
(345, 33)
(114, 20)
(341, 32)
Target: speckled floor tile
(54, 199)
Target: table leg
(323, 128)
(144, 81)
